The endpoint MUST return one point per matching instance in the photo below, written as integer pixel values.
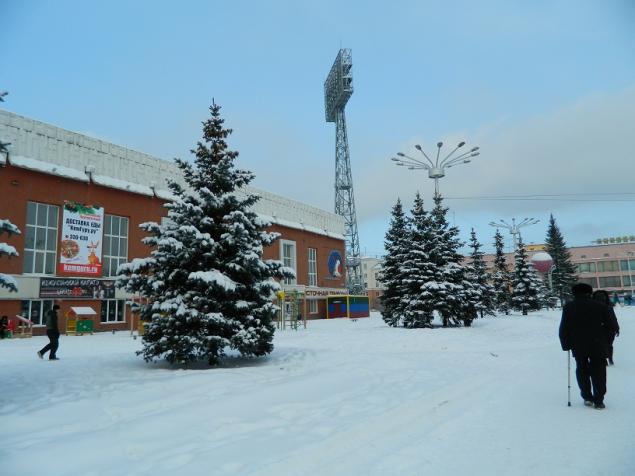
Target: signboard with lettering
(71, 288)
(80, 246)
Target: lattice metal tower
(338, 88)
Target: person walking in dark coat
(603, 297)
(584, 328)
(53, 334)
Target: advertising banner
(80, 246)
(71, 288)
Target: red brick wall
(18, 186)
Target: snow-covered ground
(339, 398)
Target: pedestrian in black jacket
(603, 296)
(53, 334)
(584, 328)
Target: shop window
(113, 310)
(610, 282)
(313, 306)
(312, 267)
(586, 267)
(604, 266)
(36, 310)
(288, 257)
(115, 249)
(40, 244)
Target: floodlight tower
(338, 88)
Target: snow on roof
(83, 311)
(46, 148)
(122, 185)
(301, 226)
(47, 168)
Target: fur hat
(581, 289)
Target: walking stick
(569, 377)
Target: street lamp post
(436, 168)
(514, 228)
(629, 254)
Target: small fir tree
(417, 270)
(207, 287)
(501, 279)
(446, 291)
(527, 287)
(392, 274)
(7, 281)
(481, 297)
(563, 275)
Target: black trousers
(591, 375)
(609, 351)
(54, 343)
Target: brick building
(50, 172)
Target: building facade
(607, 266)
(79, 201)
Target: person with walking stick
(583, 330)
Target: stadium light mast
(514, 228)
(338, 88)
(436, 168)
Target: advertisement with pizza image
(80, 244)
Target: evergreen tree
(526, 285)
(417, 270)
(563, 275)
(207, 287)
(446, 290)
(7, 281)
(392, 269)
(6, 226)
(501, 279)
(481, 298)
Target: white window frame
(293, 258)
(40, 303)
(110, 270)
(49, 254)
(312, 257)
(313, 306)
(117, 303)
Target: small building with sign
(78, 202)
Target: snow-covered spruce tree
(482, 302)
(207, 287)
(7, 281)
(563, 275)
(501, 279)
(392, 268)
(417, 269)
(446, 292)
(6, 226)
(526, 285)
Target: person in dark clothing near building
(584, 328)
(603, 297)
(53, 334)
(4, 326)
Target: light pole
(629, 254)
(514, 228)
(436, 168)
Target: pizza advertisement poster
(80, 244)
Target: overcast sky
(545, 88)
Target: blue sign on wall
(335, 264)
